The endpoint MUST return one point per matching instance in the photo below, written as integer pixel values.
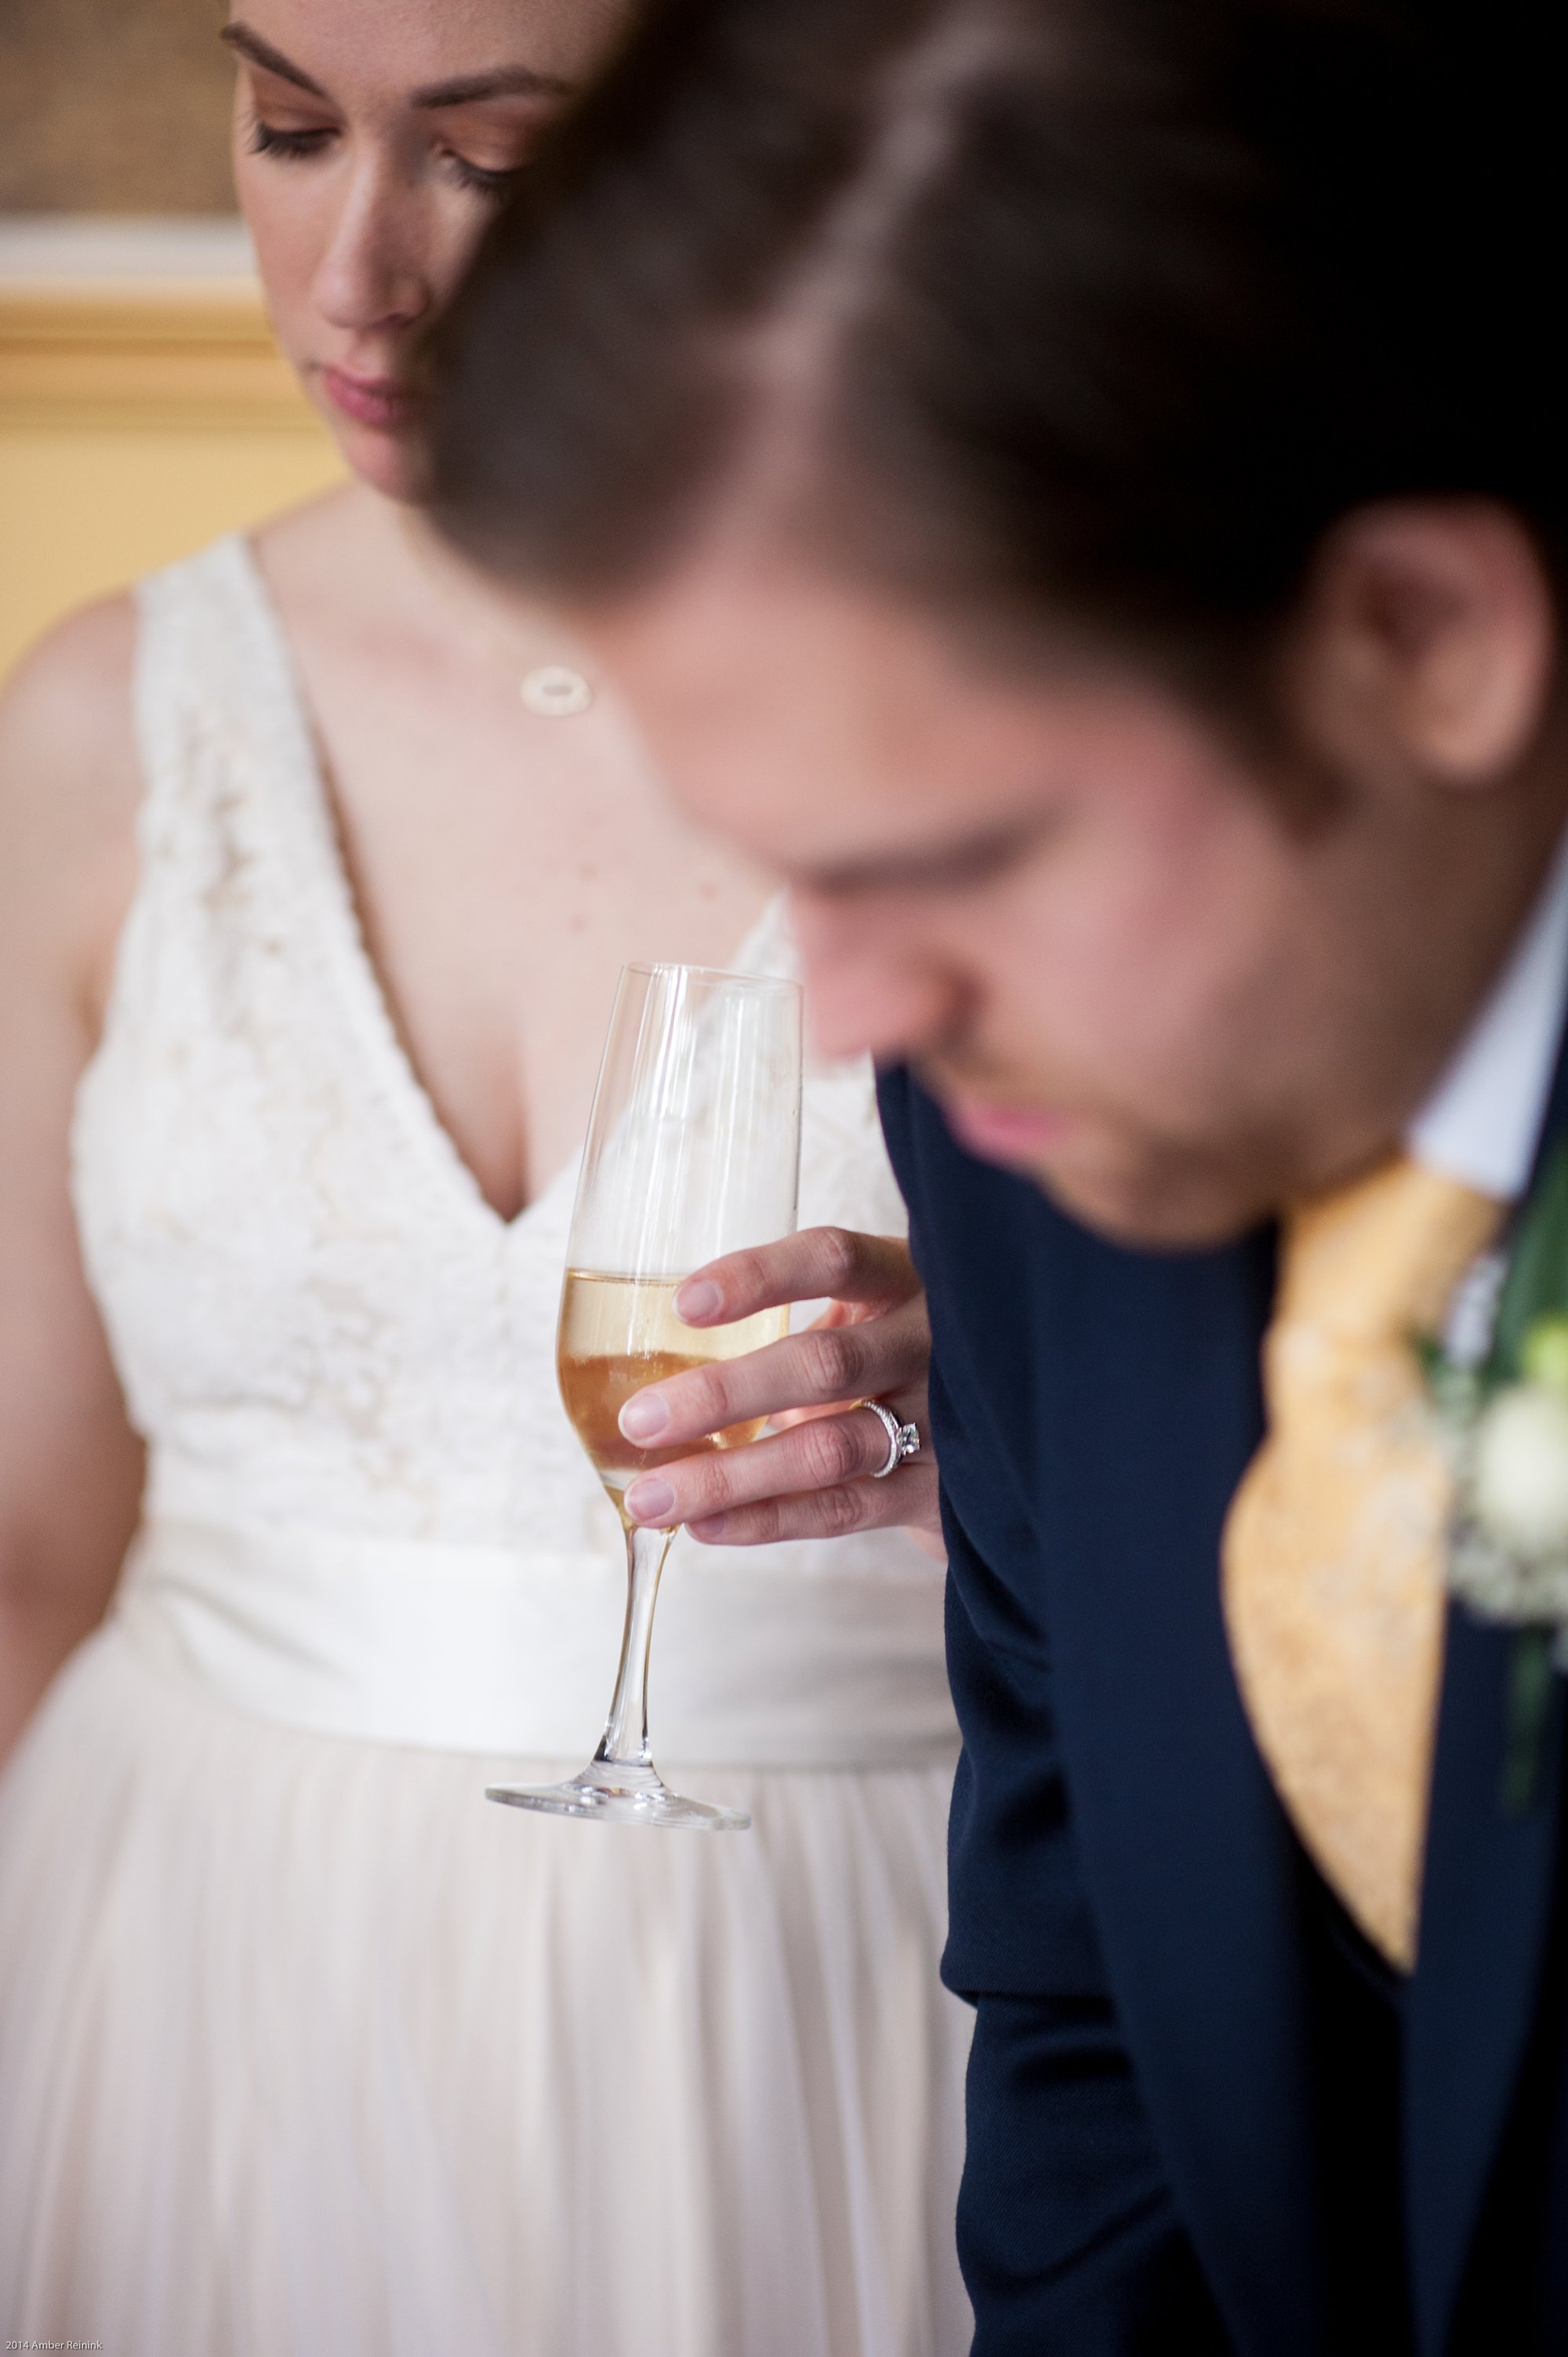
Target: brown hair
(1109, 308)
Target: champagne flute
(693, 1149)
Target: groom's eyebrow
(945, 866)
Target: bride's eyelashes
(299, 146)
(485, 180)
(293, 147)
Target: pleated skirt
(309, 2051)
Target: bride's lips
(377, 401)
(1002, 1133)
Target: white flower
(1520, 1492)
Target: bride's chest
(503, 869)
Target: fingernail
(644, 1417)
(649, 1500)
(712, 1526)
(698, 1298)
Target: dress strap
(188, 683)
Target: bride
(316, 867)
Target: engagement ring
(903, 1440)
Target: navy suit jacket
(1118, 1853)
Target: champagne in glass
(694, 1150)
(618, 1333)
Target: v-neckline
(369, 1002)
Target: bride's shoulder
(70, 789)
(69, 772)
(77, 677)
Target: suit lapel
(1486, 1914)
(1485, 1909)
(1149, 1410)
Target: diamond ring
(903, 1440)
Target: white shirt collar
(1482, 1121)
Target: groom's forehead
(789, 704)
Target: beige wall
(142, 410)
(113, 106)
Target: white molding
(45, 250)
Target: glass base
(621, 1794)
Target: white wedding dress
(305, 2048)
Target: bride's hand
(812, 1475)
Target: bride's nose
(375, 270)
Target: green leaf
(1530, 1705)
(1543, 1354)
(1537, 1280)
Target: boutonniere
(1497, 1379)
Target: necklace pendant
(555, 692)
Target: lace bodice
(317, 1319)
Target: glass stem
(625, 1741)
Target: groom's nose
(871, 988)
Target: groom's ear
(1427, 642)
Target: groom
(1147, 675)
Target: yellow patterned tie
(1333, 1549)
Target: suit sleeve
(1067, 2229)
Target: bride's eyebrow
(504, 81)
(462, 90)
(257, 52)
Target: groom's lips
(1002, 1133)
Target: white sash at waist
(488, 1649)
